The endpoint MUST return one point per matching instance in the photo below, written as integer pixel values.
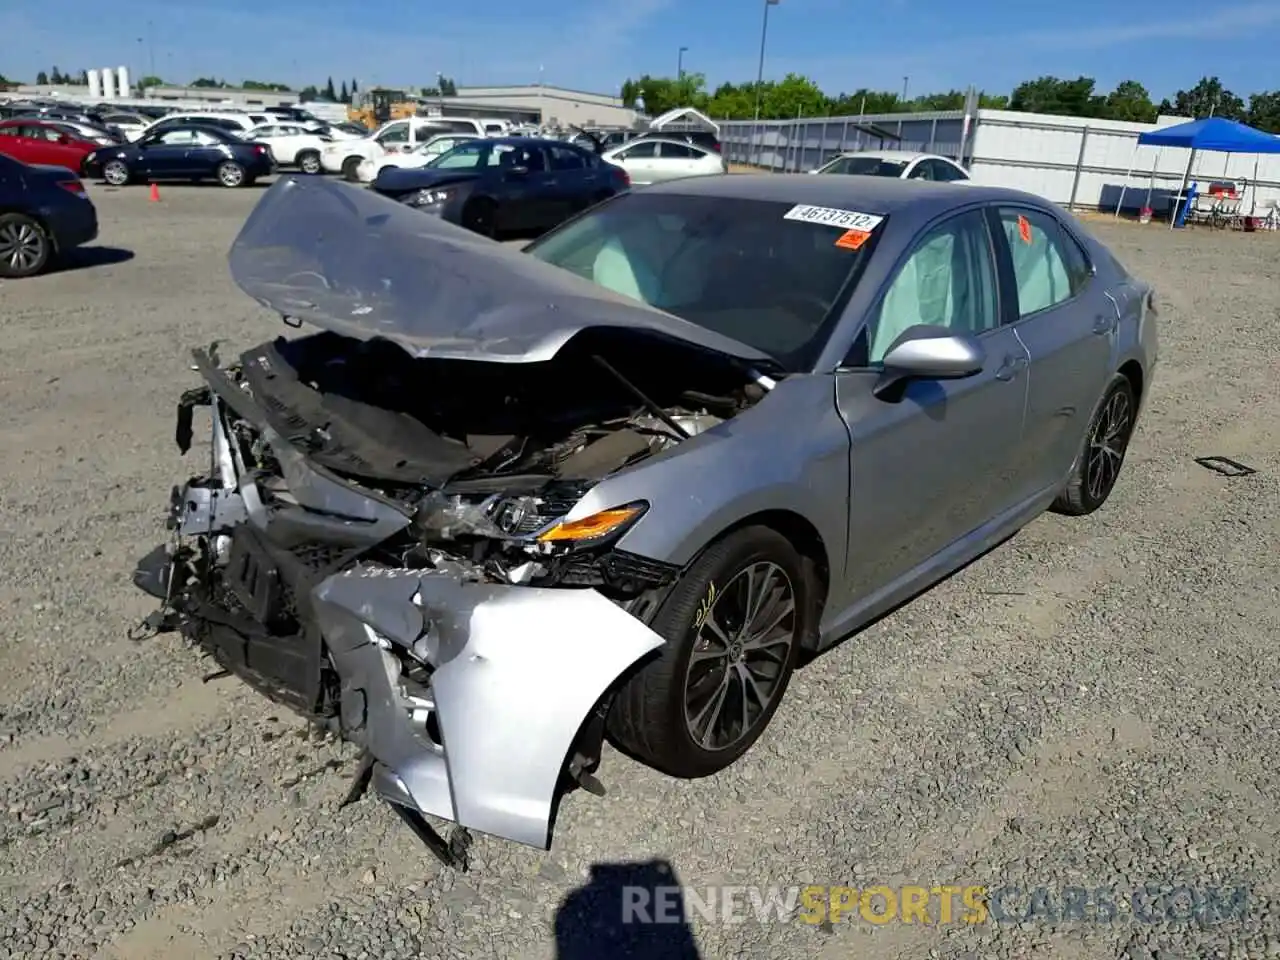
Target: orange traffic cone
(155, 193)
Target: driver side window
(396, 133)
(948, 280)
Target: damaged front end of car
(391, 544)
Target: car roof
(880, 196)
(907, 155)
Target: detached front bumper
(468, 697)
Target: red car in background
(32, 141)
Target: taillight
(716, 146)
(260, 148)
(72, 186)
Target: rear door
(1069, 327)
(14, 143)
(575, 181)
(675, 160)
(204, 153)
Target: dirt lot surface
(1091, 705)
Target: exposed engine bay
(486, 456)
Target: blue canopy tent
(1212, 133)
(1216, 134)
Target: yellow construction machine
(373, 108)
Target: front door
(937, 464)
(165, 155)
(1069, 326)
(640, 161)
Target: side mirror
(928, 353)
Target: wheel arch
(1132, 371)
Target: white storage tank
(95, 85)
(108, 84)
(122, 81)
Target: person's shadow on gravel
(626, 909)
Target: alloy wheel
(310, 164)
(1108, 441)
(230, 175)
(740, 652)
(21, 246)
(116, 173)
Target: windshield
(736, 267)
(867, 166)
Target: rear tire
(25, 247)
(349, 168)
(665, 713)
(232, 175)
(1098, 465)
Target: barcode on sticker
(832, 217)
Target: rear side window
(676, 151)
(1079, 269)
(563, 158)
(1037, 247)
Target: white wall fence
(1078, 162)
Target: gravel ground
(1092, 704)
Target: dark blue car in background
(44, 212)
(188, 152)
(505, 184)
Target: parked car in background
(292, 144)
(494, 186)
(420, 156)
(44, 212)
(704, 139)
(187, 151)
(87, 131)
(652, 160)
(126, 124)
(398, 136)
(902, 164)
(697, 433)
(235, 123)
(40, 142)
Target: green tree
(307, 94)
(1208, 98)
(42, 78)
(354, 88)
(329, 92)
(343, 96)
(1070, 98)
(56, 76)
(1264, 111)
(1130, 101)
(151, 81)
(447, 87)
(208, 83)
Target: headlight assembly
(429, 198)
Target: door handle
(1103, 323)
(1011, 367)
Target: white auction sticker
(831, 217)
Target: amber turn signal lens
(592, 527)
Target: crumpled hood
(404, 179)
(359, 264)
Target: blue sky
(594, 45)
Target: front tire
(734, 623)
(116, 173)
(1106, 442)
(309, 163)
(25, 247)
(350, 166)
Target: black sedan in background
(505, 184)
(44, 211)
(188, 152)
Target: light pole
(440, 90)
(764, 34)
(151, 45)
(905, 81)
(680, 63)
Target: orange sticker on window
(1024, 229)
(853, 239)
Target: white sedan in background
(654, 160)
(898, 164)
(292, 144)
(419, 156)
